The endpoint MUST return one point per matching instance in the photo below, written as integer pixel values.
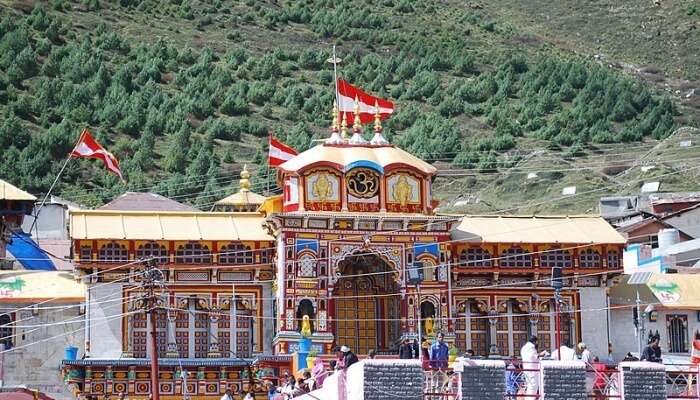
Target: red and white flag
(346, 99)
(695, 352)
(279, 152)
(87, 147)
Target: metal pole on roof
(640, 328)
(234, 323)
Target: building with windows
(354, 218)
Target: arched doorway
(367, 313)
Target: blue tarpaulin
(29, 254)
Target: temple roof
(139, 201)
(167, 225)
(10, 192)
(537, 229)
(345, 157)
(244, 196)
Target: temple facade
(337, 246)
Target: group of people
(434, 356)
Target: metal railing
(602, 381)
(441, 384)
(519, 377)
(682, 381)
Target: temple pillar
(493, 321)
(214, 350)
(171, 350)
(129, 352)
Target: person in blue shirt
(439, 353)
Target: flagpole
(55, 181)
(36, 215)
(335, 78)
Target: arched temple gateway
(354, 215)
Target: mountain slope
(184, 92)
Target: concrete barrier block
(483, 379)
(561, 380)
(642, 380)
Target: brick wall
(563, 380)
(483, 379)
(643, 380)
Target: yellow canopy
(166, 225)
(675, 291)
(11, 192)
(21, 286)
(540, 229)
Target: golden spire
(378, 138)
(334, 117)
(357, 125)
(335, 137)
(377, 118)
(244, 183)
(344, 126)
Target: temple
(355, 215)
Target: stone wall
(380, 379)
(105, 330)
(483, 379)
(563, 380)
(35, 357)
(643, 380)
(594, 322)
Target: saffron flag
(87, 147)
(279, 152)
(346, 103)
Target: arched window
(307, 266)
(152, 249)
(193, 253)
(475, 257)
(555, 258)
(589, 258)
(613, 259)
(515, 257)
(113, 252)
(85, 253)
(236, 254)
(305, 308)
(677, 333)
(6, 330)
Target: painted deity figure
(429, 326)
(322, 188)
(305, 326)
(402, 191)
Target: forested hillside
(184, 92)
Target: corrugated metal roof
(164, 225)
(540, 229)
(139, 201)
(9, 191)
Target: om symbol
(363, 183)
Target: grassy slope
(528, 35)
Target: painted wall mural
(363, 190)
(403, 193)
(322, 191)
